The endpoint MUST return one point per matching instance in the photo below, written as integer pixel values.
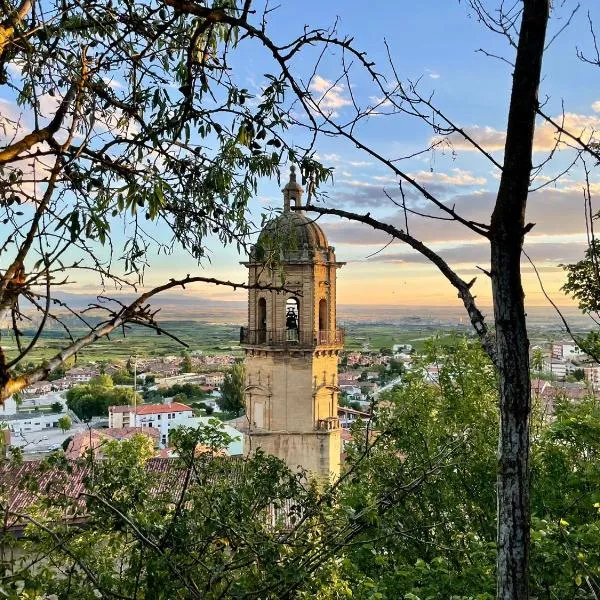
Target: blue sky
(438, 42)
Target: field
(373, 336)
(219, 337)
(207, 337)
(212, 338)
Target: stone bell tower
(292, 343)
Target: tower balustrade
(291, 337)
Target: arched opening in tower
(292, 319)
(323, 320)
(261, 320)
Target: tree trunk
(512, 343)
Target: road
(388, 386)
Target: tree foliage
(412, 516)
(65, 423)
(191, 392)
(122, 377)
(125, 114)
(441, 543)
(94, 398)
(56, 374)
(583, 282)
(120, 143)
(186, 363)
(583, 285)
(232, 390)
(206, 528)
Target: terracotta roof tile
(95, 438)
(170, 477)
(151, 409)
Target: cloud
(487, 137)
(369, 192)
(587, 127)
(15, 123)
(568, 186)
(13, 127)
(380, 101)
(112, 83)
(455, 177)
(49, 105)
(336, 159)
(596, 106)
(458, 177)
(555, 212)
(329, 96)
(478, 254)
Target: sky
(440, 44)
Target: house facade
(163, 417)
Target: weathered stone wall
(317, 452)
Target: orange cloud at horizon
(424, 285)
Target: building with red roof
(156, 416)
(94, 439)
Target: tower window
(323, 315)
(261, 320)
(292, 319)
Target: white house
(558, 368)
(402, 356)
(37, 389)
(165, 418)
(347, 416)
(352, 391)
(402, 348)
(81, 374)
(215, 379)
(566, 350)
(162, 416)
(31, 421)
(235, 448)
(9, 407)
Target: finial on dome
(292, 191)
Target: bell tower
(292, 342)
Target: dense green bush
(93, 399)
(414, 517)
(440, 543)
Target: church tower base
(317, 451)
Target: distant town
(166, 392)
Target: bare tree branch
(128, 313)
(463, 287)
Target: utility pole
(135, 390)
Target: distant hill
(193, 307)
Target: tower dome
(292, 235)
